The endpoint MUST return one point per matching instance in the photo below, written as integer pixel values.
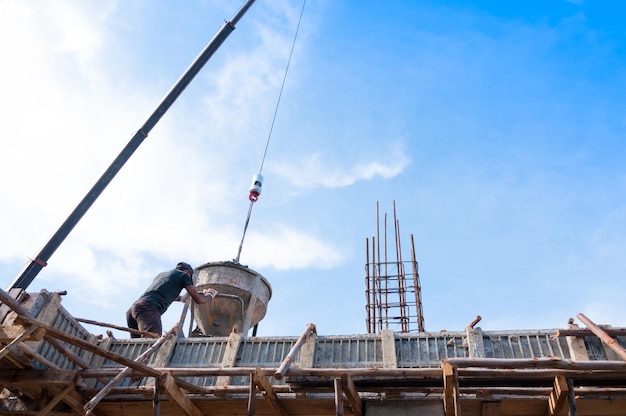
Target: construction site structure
(392, 287)
(51, 365)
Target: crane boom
(32, 269)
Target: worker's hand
(209, 292)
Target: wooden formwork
(84, 374)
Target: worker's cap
(184, 266)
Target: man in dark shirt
(145, 314)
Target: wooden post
(156, 400)
(557, 396)
(55, 400)
(251, 396)
(571, 397)
(451, 403)
(491, 409)
(284, 366)
(264, 385)
(338, 397)
(352, 394)
(603, 336)
(177, 395)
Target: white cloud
(326, 171)
(286, 248)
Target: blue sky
(496, 127)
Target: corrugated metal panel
(264, 352)
(349, 351)
(198, 353)
(129, 348)
(429, 348)
(524, 344)
(66, 323)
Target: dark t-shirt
(165, 288)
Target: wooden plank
(606, 339)
(18, 341)
(451, 403)
(571, 398)
(388, 341)
(306, 358)
(63, 336)
(37, 377)
(55, 400)
(558, 396)
(475, 346)
(338, 396)
(251, 396)
(230, 357)
(352, 394)
(175, 393)
(5, 309)
(576, 344)
(491, 409)
(11, 332)
(163, 355)
(269, 394)
(118, 378)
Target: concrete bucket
(241, 301)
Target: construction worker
(145, 314)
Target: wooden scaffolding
(576, 371)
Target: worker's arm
(204, 297)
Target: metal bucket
(241, 301)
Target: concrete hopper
(241, 301)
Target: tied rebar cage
(393, 292)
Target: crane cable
(257, 180)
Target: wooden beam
(18, 340)
(491, 409)
(284, 366)
(352, 394)
(53, 333)
(571, 398)
(558, 396)
(251, 396)
(531, 363)
(176, 394)
(338, 396)
(265, 386)
(9, 377)
(12, 332)
(55, 400)
(118, 378)
(572, 330)
(612, 343)
(450, 390)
